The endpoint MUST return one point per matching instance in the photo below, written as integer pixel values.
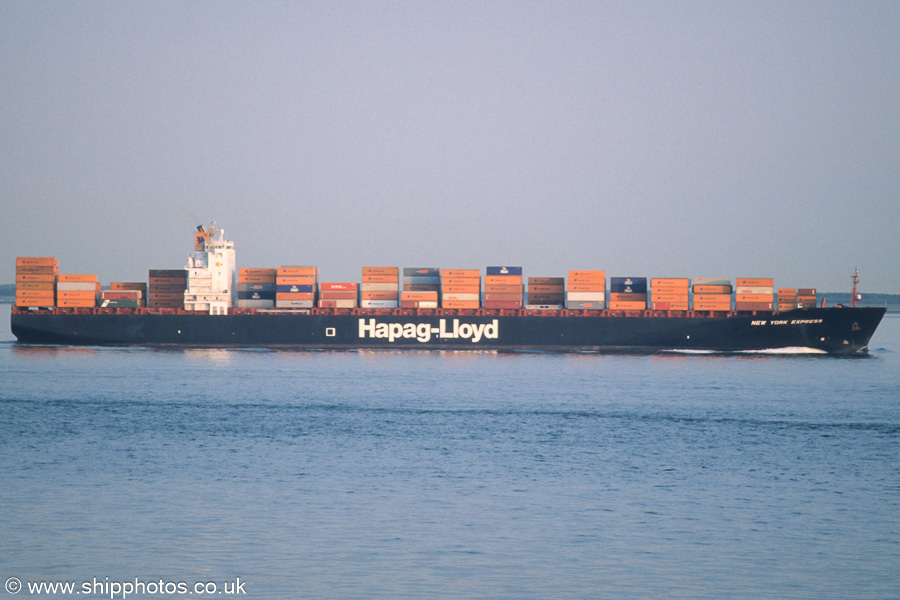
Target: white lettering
(424, 332)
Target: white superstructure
(211, 273)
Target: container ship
(212, 303)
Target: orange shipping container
(490, 297)
(128, 285)
(36, 261)
(677, 282)
(256, 279)
(669, 297)
(77, 278)
(295, 280)
(546, 289)
(627, 305)
(503, 289)
(466, 304)
(338, 287)
(670, 289)
(754, 298)
(256, 272)
(81, 296)
(295, 296)
(304, 271)
(467, 273)
(35, 294)
(461, 289)
(35, 285)
(36, 278)
(379, 295)
(76, 303)
(381, 271)
(587, 287)
(627, 297)
(37, 270)
(755, 282)
(587, 276)
(378, 278)
(460, 281)
(669, 306)
(503, 279)
(337, 295)
(712, 289)
(419, 296)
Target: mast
(855, 279)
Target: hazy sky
(670, 139)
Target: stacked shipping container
(380, 287)
(76, 291)
(35, 281)
(787, 299)
(546, 292)
(256, 288)
(296, 287)
(123, 294)
(806, 297)
(503, 287)
(628, 293)
(167, 287)
(461, 288)
(754, 293)
(586, 290)
(712, 294)
(421, 287)
(337, 295)
(670, 293)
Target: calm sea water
(452, 475)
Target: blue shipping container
(504, 270)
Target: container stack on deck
(586, 290)
(296, 287)
(337, 295)
(670, 293)
(124, 294)
(546, 293)
(76, 291)
(380, 287)
(36, 280)
(503, 287)
(754, 293)
(256, 288)
(167, 287)
(787, 299)
(712, 294)
(461, 288)
(421, 287)
(806, 297)
(628, 293)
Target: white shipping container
(380, 287)
(712, 281)
(76, 286)
(379, 303)
(586, 296)
(755, 290)
(462, 297)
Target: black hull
(835, 330)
